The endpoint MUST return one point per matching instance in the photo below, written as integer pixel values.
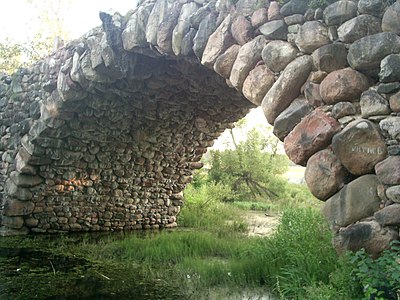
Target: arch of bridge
(104, 134)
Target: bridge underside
(116, 155)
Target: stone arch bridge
(105, 133)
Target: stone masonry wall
(104, 134)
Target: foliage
(251, 169)
(380, 278)
(14, 55)
(10, 56)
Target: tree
(252, 167)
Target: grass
(212, 251)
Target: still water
(31, 268)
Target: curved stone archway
(104, 134)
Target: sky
(18, 18)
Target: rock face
(360, 146)
(105, 133)
(355, 201)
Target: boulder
(274, 11)
(324, 175)
(166, 27)
(330, 57)
(294, 7)
(390, 68)
(311, 135)
(217, 43)
(224, 63)
(287, 87)
(183, 27)
(391, 127)
(368, 235)
(19, 193)
(24, 180)
(390, 20)
(134, 34)
(373, 104)
(278, 54)
(389, 215)
(13, 222)
(358, 28)
(339, 12)
(206, 28)
(274, 30)
(360, 146)
(342, 109)
(247, 7)
(393, 193)
(258, 83)
(388, 88)
(388, 170)
(311, 36)
(259, 17)
(294, 19)
(241, 30)
(343, 85)
(18, 208)
(160, 9)
(248, 56)
(291, 116)
(367, 52)
(355, 201)
(374, 7)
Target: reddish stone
(241, 30)
(343, 85)
(324, 175)
(312, 134)
(274, 11)
(224, 63)
(258, 83)
(388, 170)
(259, 17)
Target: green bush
(380, 278)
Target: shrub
(380, 278)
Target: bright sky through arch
(18, 18)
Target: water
(39, 273)
(36, 267)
